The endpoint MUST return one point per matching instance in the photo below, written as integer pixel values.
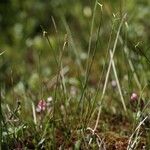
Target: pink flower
(136, 102)
(134, 97)
(41, 106)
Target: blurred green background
(26, 48)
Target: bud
(113, 83)
(49, 101)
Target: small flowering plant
(43, 109)
(44, 105)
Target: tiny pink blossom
(41, 106)
(134, 97)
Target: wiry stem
(108, 72)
